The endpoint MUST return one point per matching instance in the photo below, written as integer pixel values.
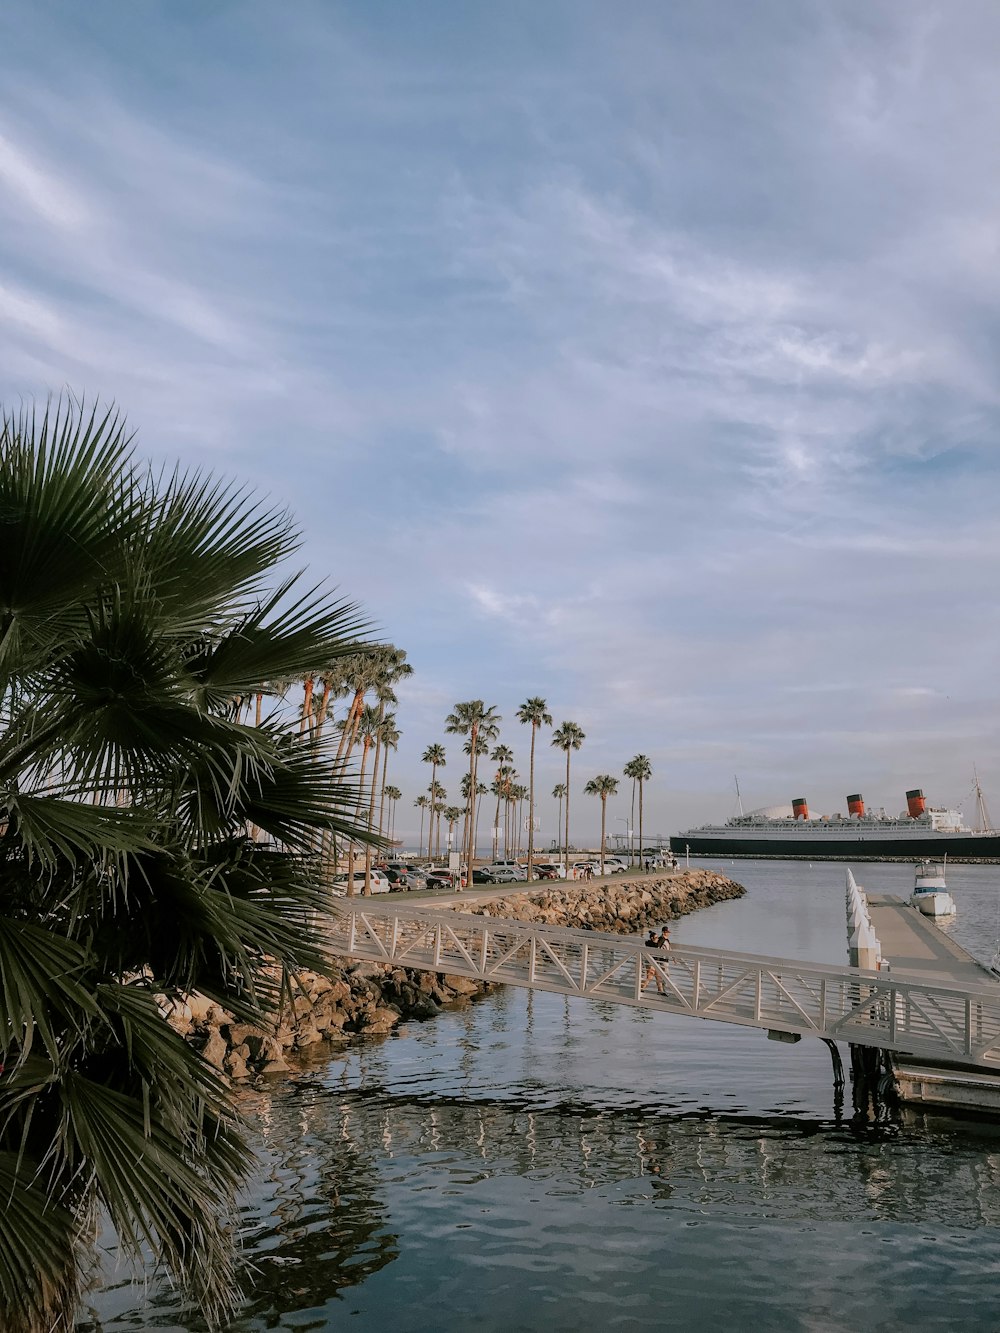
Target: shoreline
(355, 999)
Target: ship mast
(982, 817)
(739, 798)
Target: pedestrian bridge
(790, 999)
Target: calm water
(537, 1163)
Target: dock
(914, 947)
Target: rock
(236, 1067)
(381, 1020)
(460, 985)
(214, 1050)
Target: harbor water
(532, 1162)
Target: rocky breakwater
(360, 999)
(353, 1000)
(619, 907)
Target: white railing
(937, 1022)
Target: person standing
(661, 943)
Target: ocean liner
(790, 831)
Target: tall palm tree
(134, 607)
(567, 737)
(437, 795)
(640, 770)
(534, 713)
(393, 795)
(480, 723)
(391, 667)
(559, 792)
(389, 735)
(452, 814)
(422, 803)
(435, 756)
(503, 756)
(604, 785)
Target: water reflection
(536, 1162)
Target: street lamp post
(623, 819)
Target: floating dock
(912, 944)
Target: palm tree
(568, 737)
(452, 814)
(422, 803)
(134, 607)
(436, 757)
(503, 756)
(437, 796)
(533, 713)
(604, 785)
(480, 724)
(558, 792)
(640, 770)
(392, 795)
(389, 735)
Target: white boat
(930, 892)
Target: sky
(642, 357)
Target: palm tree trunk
(371, 804)
(381, 796)
(350, 845)
(496, 825)
(631, 850)
(430, 831)
(604, 818)
(531, 807)
(640, 821)
(420, 845)
(324, 705)
(260, 705)
(474, 737)
(306, 718)
(566, 852)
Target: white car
(378, 881)
(614, 864)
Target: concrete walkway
(913, 943)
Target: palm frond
(39, 1273)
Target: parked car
(400, 879)
(440, 879)
(482, 876)
(550, 870)
(505, 872)
(614, 865)
(379, 883)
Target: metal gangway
(790, 999)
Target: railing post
(968, 1026)
(822, 1004)
(531, 958)
(697, 985)
(758, 997)
(437, 946)
(395, 936)
(484, 948)
(584, 964)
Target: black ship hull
(977, 847)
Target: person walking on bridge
(661, 943)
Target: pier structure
(928, 1018)
(908, 944)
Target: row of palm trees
(479, 724)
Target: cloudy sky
(640, 356)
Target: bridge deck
(912, 942)
(915, 1015)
